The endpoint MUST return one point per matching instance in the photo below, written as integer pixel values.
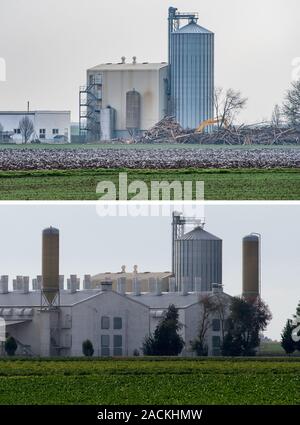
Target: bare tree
(228, 104)
(208, 307)
(291, 106)
(276, 117)
(221, 308)
(27, 128)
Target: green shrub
(10, 346)
(87, 348)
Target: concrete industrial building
(106, 98)
(49, 126)
(51, 319)
(124, 99)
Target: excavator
(211, 121)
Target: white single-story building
(115, 321)
(49, 126)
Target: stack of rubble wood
(165, 131)
(169, 131)
(250, 135)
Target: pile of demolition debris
(165, 131)
(169, 131)
(250, 135)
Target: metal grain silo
(192, 74)
(251, 266)
(50, 264)
(133, 110)
(198, 258)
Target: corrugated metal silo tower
(50, 268)
(251, 266)
(197, 258)
(191, 50)
(133, 112)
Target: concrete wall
(48, 120)
(82, 321)
(150, 85)
(86, 322)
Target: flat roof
(131, 275)
(146, 66)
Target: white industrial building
(122, 98)
(116, 322)
(116, 311)
(49, 126)
(126, 98)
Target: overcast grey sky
(91, 244)
(49, 44)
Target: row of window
(116, 349)
(105, 322)
(42, 132)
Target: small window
(104, 322)
(42, 133)
(216, 342)
(17, 131)
(118, 345)
(55, 131)
(216, 326)
(105, 345)
(117, 322)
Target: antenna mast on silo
(178, 229)
(174, 18)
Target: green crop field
(237, 184)
(155, 381)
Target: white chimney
(136, 286)
(134, 60)
(152, 284)
(37, 283)
(72, 283)
(172, 284)
(18, 283)
(4, 284)
(61, 282)
(121, 285)
(123, 59)
(25, 286)
(39, 280)
(158, 286)
(87, 281)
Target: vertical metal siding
(192, 70)
(198, 259)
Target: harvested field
(173, 158)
